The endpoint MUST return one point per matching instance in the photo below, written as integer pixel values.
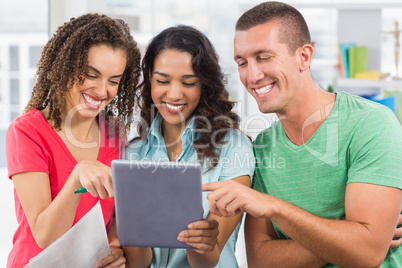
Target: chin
(178, 121)
(266, 110)
(175, 122)
(89, 114)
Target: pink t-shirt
(33, 145)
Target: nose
(101, 89)
(254, 72)
(175, 91)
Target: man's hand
(229, 198)
(397, 234)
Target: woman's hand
(94, 176)
(114, 260)
(203, 235)
(397, 234)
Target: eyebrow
(184, 76)
(258, 52)
(98, 72)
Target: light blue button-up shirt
(236, 159)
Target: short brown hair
(294, 31)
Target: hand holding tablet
(156, 201)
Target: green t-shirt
(360, 141)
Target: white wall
(62, 10)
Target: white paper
(83, 245)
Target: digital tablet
(155, 201)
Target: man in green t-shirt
(333, 198)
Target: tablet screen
(155, 201)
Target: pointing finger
(208, 187)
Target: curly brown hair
(64, 62)
(213, 116)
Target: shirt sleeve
(237, 157)
(375, 151)
(25, 149)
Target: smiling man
(337, 198)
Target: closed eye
(189, 84)
(162, 82)
(264, 58)
(91, 76)
(241, 63)
(115, 83)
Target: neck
(172, 133)
(83, 129)
(172, 136)
(307, 114)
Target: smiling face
(104, 71)
(175, 88)
(267, 69)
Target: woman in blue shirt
(186, 116)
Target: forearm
(137, 257)
(209, 259)
(282, 253)
(361, 240)
(341, 242)
(57, 218)
(112, 234)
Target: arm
(207, 254)
(265, 249)
(116, 258)
(49, 219)
(361, 240)
(260, 237)
(138, 257)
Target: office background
(26, 25)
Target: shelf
(366, 83)
(318, 63)
(351, 5)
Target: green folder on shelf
(357, 60)
(344, 57)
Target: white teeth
(264, 89)
(91, 101)
(174, 107)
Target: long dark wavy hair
(213, 116)
(64, 62)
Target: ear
(305, 55)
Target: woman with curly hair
(66, 139)
(186, 116)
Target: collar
(155, 137)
